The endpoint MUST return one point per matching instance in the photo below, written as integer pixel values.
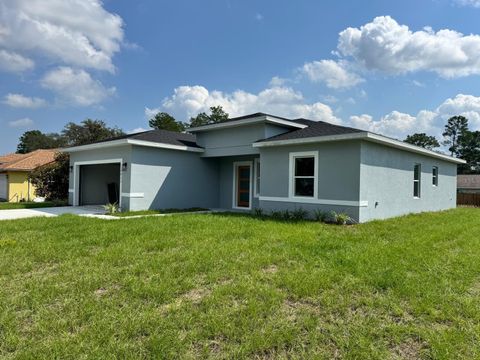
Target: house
(14, 171)
(468, 184)
(268, 162)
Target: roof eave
(361, 136)
(122, 142)
(257, 119)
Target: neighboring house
(14, 171)
(468, 184)
(268, 162)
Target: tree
(89, 131)
(35, 139)
(454, 129)
(217, 114)
(51, 180)
(165, 121)
(423, 140)
(468, 149)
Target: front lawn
(232, 286)
(29, 205)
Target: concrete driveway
(50, 212)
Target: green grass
(156, 212)
(232, 286)
(29, 205)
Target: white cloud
(389, 47)
(76, 87)
(258, 17)
(333, 73)
(188, 101)
(21, 101)
(473, 3)
(137, 130)
(74, 32)
(21, 123)
(418, 83)
(13, 62)
(398, 125)
(277, 81)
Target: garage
(99, 184)
(3, 187)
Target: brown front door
(243, 186)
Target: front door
(243, 186)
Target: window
(257, 178)
(303, 174)
(435, 176)
(416, 180)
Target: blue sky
(386, 66)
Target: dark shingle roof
(161, 137)
(254, 115)
(314, 129)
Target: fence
(468, 199)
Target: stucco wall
(19, 187)
(338, 177)
(119, 152)
(387, 183)
(164, 178)
(236, 141)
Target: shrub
(276, 214)
(338, 218)
(320, 215)
(299, 214)
(257, 212)
(286, 215)
(51, 180)
(111, 209)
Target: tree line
(90, 131)
(461, 141)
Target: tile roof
(27, 162)
(468, 181)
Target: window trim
(291, 171)
(419, 180)
(435, 176)
(256, 175)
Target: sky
(392, 67)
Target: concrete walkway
(50, 212)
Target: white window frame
(256, 176)
(419, 180)
(236, 164)
(291, 171)
(435, 176)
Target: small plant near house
(111, 209)
(339, 218)
(320, 215)
(286, 215)
(299, 214)
(258, 212)
(276, 214)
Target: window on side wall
(257, 178)
(435, 176)
(417, 174)
(303, 177)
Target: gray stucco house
(264, 161)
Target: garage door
(3, 186)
